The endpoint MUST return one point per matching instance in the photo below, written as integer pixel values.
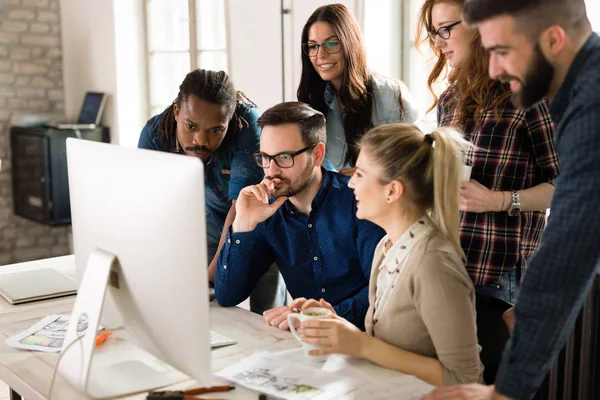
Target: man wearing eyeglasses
(301, 217)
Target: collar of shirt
(326, 185)
(561, 101)
(394, 257)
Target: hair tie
(428, 138)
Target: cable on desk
(48, 397)
(58, 363)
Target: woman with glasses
(513, 165)
(335, 80)
(421, 316)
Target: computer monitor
(139, 224)
(92, 107)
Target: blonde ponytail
(446, 162)
(429, 167)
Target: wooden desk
(28, 374)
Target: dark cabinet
(39, 171)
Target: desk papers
(47, 335)
(277, 377)
(286, 376)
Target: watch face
(513, 212)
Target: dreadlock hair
(214, 87)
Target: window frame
(194, 52)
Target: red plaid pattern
(514, 152)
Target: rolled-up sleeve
(388, 107)
(244, 171)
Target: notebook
(24, 286)
(89, 115)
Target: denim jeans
(491, 302)
(506, 288)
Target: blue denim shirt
(386, 110)
(565, 264)
(327, 254)
(232, 170)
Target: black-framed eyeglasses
(283, 160)
(443, 32)
(330, 46)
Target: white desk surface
(29, 373)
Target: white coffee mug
(305, 315)
(466, 172)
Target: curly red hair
(477, 92)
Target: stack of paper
(275, 376)
(287, 375)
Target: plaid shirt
(514, 152)
(563, 269)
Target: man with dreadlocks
(210, 120)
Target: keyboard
(218, 340)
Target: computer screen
(146, 209)
(91, 109)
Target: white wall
(88, 40)
(254, 49)
(593, 12)
(103, 50)
(382, 27)
(131, 70)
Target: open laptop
(89, 115)
(39, 284)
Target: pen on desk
(211, 389)
(186, 394)
(102, 337)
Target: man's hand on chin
(472, 391)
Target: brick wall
(31, 81)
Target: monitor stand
(128, 377)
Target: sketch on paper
(263, 378)
(47, 335)
(275, 376)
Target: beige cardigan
(431, 311)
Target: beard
(536, 83)
(289, 189)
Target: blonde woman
(421, 316)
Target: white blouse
(395, 260)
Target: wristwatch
(515, 207)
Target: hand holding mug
(308, 314)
